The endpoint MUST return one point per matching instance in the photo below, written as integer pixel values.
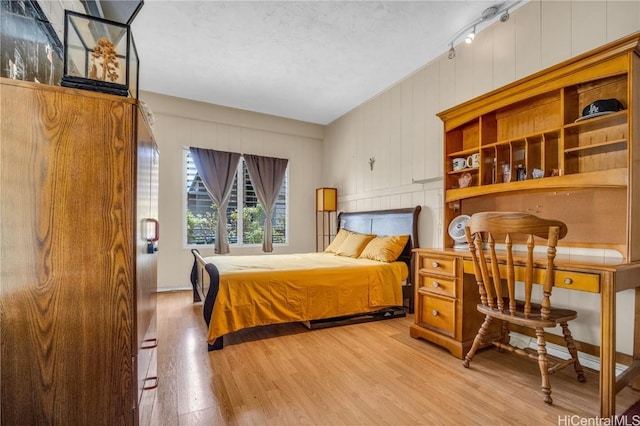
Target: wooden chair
(482, 232)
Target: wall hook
(372, 161)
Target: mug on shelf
(459, 163)
(473, 161)
(506, 173)
(537, 173)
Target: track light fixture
(505, 16)
(469, 31)
(470, 36)
(452, 51)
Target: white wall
(182, 123)
(400, 129)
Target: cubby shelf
(529, 137)
(602, 179)
(607, 120)
(622, 143)
(462, 171)
(463, 153)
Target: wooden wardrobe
(78, 203)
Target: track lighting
(452, 51)
(469, 31)
(470, 36)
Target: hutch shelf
(537, 153)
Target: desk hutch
(591, 181)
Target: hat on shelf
(601, 107)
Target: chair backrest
(485, 230)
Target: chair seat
(556, 316)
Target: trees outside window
(243, 213)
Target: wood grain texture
(67, 272)
(446, 301)
(146, 263)
(370, 373)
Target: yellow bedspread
(270, 289)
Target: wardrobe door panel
(67, 271)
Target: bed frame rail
(205, 280)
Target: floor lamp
(326, 203)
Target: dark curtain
(266, 174)
(217, 170)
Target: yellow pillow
(353, 245)
(337, 241)
(385, 249)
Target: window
(243, 212)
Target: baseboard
(587, 360)
(167, 289)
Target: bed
(313, 288)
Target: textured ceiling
(306, 60)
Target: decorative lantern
(99, 55)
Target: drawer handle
(150, 383)
(435, 284)
(435, 264)
(434, 312)
(568, 281)
(149, 344)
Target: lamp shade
(326, 199)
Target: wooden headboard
(384, 223)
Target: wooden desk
(447, 295)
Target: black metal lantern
(99, 55)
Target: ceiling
(306, 60)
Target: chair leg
(477, 341)
(573, 351)
(504, 333)
(543, 363)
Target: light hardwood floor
(363, 374)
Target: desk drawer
(578, 281)
(437, 284)
(581, 281)
(437, 312)
(437, 264)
